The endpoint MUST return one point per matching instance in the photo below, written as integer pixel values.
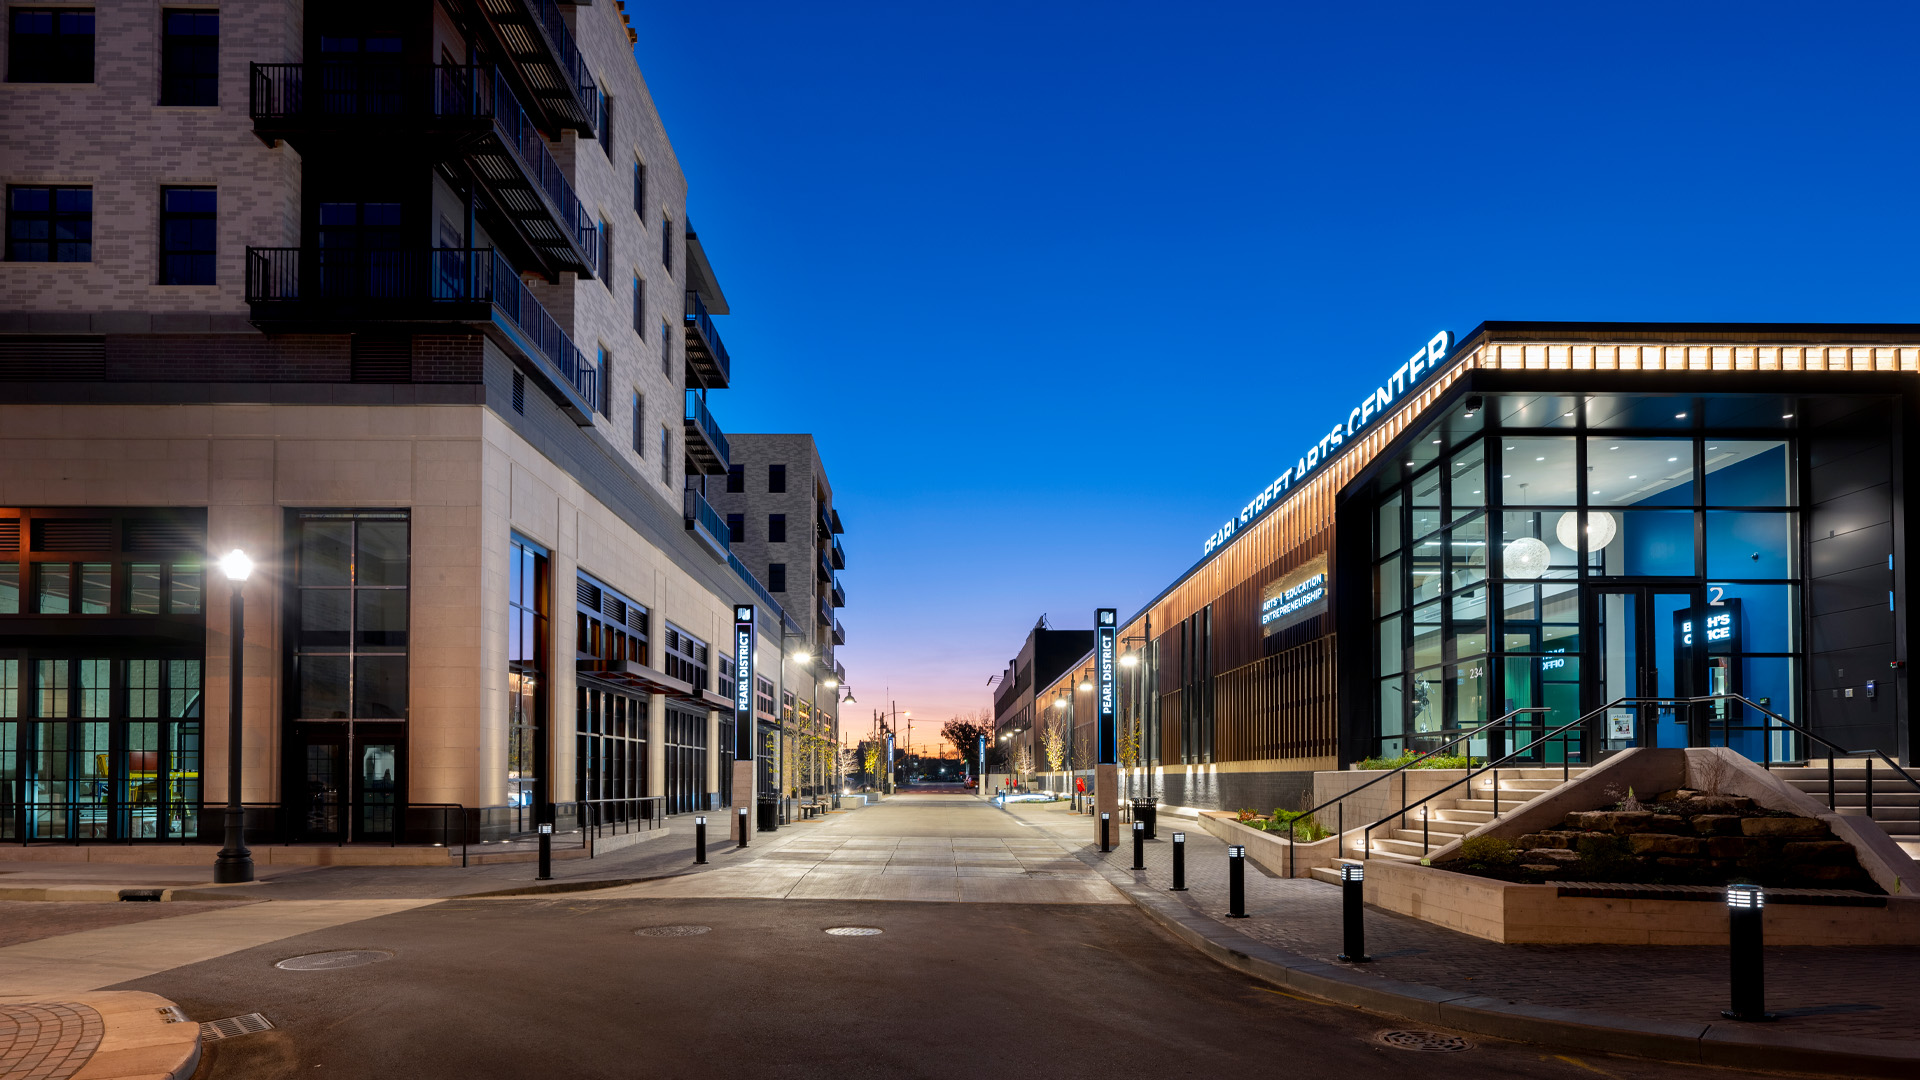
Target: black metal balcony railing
(712, 528)
(521, 23)
(824, 609)
(839, 594)
(824, 566)
(839, 633)
(839, 555)
(706, 356)
(706, 444)
(377, 285)
(337, 99)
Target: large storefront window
(610, 707)
(529, 606)
(100, 721)
(1523, 563)
(347, 700)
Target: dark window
(606, 255)
(519, 393)
(606, 383)
(666, 243)
(666, 457)
(50, 45)
(639, 306)
(736, 528)
(190, 58)
(777, 577)
(529, 614)
(186, 235)
(49, 224)
(666, 350)
(606, 125)
(736, 479)
(776, 479)
(350, 615)
(776, 528)
(639, 416)
(640, 191)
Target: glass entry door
(1635, 656)
(350, 782)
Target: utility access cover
(1433, 1042)
(333, 961)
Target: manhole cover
(328, 961)
(215, 1030)
(673, 931)
(853, 931)
(1435, 1042)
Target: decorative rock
(1551, 855)
(1662, 844)
(1817, 872)
(1716, 824)
(1677, 795)
(1829, 851)
(1544, 868)
(1594, 820)
(1666, 823)
(1783, 826)
(1733, 847)
(1720, 804)
(1631, 821)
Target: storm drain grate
(1433, 1042)
(215, 1030)
(673, 931)
(853, 931)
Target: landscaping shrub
(1486, 852)
(1420, 761)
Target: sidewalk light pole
(234, 863)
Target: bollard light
(1236, 881)
(1746, 943)
(699, 838)
(1105, 844)
(1179, 862)
(1139, 845)
(743, 826)
(546, 850)
(1353, 913)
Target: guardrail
(698, 510)
(697, 412)
(697, 317)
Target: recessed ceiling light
(1613, 448)
(1673, 459)
(1476, 491)
(1786, 416)
(1635, 476)
(1436, 442)
(1506, 476)
(1566, 414)
(1713, 448)
(1679, 416)
(1539, 459)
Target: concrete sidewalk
(1842, 1010)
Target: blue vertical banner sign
(981, 761)
(1104, 631)
(743, 684)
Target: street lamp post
(234, 863)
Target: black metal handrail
(697, 412)
(573, 65)
(697, 317)
(697, 510)
(419, 275)
(1339, 800)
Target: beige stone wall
(113, 135)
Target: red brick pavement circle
(47, 1041)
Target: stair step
(1328, 874)
(1389, 845)
(1476, 818)
(1435, 841)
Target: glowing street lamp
(234, 863)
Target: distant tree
(1022, 762)
(965, 733)
(1053, 743)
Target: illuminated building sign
(743, 682)
(1295, 598)
(1716, 628)
(1104, 630)
(1359, 419)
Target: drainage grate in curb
(215, 1030)
(688, 930)
(1433, 1042)
(853, 931)
(331, 961)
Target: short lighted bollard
(1179, 862)
(1746, 906)
(1139, 845)
(1105, 821)
(1353, 914)
(1237, 881)
(546, 851)
(699, 838)
(743, 826)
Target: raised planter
(1270, 849)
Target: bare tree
(1053, 743)
(1022, 761)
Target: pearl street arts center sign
(1295, 598)
(1359, 419)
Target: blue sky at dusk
(1059, 287)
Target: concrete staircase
(1450, 818)
(1896, 805)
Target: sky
(1058, 287)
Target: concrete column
(742, 796)
(1106, 800)
(656, 744)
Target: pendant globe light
(1600, 530)
(1526, 557)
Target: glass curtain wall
(1526, 557)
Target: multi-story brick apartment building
(780, 515)
(402, 299)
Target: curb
(1737, 1046)
(142, 1036)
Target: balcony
(839, 594)
(549, 64)
(706, 356)
(706, 525)
(839, 633)
(822, 521)
(839, 555)
(824, 565)
(824, 609)
(451, 111)
(706, 445)
(320, 289)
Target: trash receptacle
(769, 815)
(1145, 811)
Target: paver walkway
(1838, 992)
